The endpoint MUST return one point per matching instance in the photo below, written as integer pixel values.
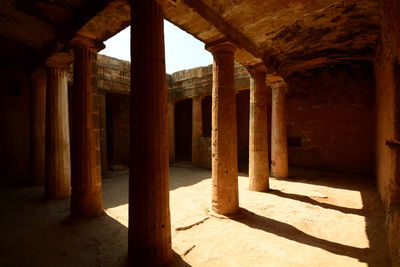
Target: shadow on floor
(40, 233)
(372, 211)
(310, 200)
(354, 181)
(35, 232)
(183, 176)
(177, 261)
(116, 183)
(290, 232)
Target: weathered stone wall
(14, 132)
(387, 71)
(114, 79)
(198, 82)
(117, 123)
(113, 75)
(329, 111)
(330, 115)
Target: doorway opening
(183, 130)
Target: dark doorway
(117, 117)
(242, 120)
(206, 115)
(183, 130)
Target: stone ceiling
(287, 35)
(32, 31)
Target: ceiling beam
(221, 25)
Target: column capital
(276, 82)
(258, 68)
(39, 73)
(198, 97)
(80, 41)
(220, 46)
(59, 60)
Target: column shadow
(117, 183)
(372, 209)
(41, 233)
(177, 261)
(310, 200)
(290, 232)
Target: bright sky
(182, 51)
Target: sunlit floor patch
(308, 220)
(119, 213)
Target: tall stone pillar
(58, 163)
(225, 197)
(171, 130)
(258, 133)
(197, 129)
(279, 155)
(103, 132)
(86, 198)
(149, 233)
(38, 127)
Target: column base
(259, 188)
(280, 177)
(226, 211)
(86, 202)
(236, 215)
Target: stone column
(225, 198)
(258, 133)
(38, 126)
(171, 131)
(103, 132)
(86, 198)
(279, 156)
(58, 164)
(149, 233)
(197, 129)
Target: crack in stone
(188, 250)
(182, 228)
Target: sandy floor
(313, 219)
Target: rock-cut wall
(330, 113)
(387, 72)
